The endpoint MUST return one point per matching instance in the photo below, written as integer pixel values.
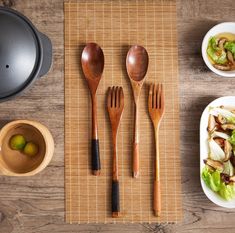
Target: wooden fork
(156, 110)
(115, 104)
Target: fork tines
(115, 97)
(156, 97)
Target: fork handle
(115, 183)
(115, 199)
(157, 198)
(157, 188)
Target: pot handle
(46, 53)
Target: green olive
(30, 149)
(17, 142)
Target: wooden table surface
(36, 204)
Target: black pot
(25, 53)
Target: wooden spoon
(93, 66)
(137, 65)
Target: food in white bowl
(221, 51)
(218, 49)
(217, 151)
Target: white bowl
(227, 101)
(217, 29)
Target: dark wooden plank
(36, 204)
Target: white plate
(227, 101)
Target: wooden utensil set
(137, 64)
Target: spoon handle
(136, 143)
(95, 154)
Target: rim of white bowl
(230, 74)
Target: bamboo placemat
(115, 25)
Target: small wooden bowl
(15, 163)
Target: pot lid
(19, 52)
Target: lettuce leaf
(231, 120)
(232, 138)
(230, 45)
(227, 191)
(206, 175)
(213, 180)
(215, 53)
(212, 43)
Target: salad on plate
(219, 170)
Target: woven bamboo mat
(115, 25)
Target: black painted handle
(115, 197)
(46, 53)
(95, 157)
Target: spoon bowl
(92, 61)
(137, 63)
